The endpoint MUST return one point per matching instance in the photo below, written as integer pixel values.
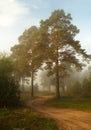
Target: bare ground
(67, 119)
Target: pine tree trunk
(32, 89)
(57, 77)
(57, 83)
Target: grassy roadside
(70, 102)
(23, 118)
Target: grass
(24, 119)
(70, 102)
(26, 96)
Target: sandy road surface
(67, 119)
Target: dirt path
(67, 119)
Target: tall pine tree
(59, 36)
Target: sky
(18, 15)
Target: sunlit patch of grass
(24, 119)
(25, 96)
(70, 102)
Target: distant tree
(86, 86)
(81, 87)
(75, 89)
(9, 93)
(46, 81)
(19, 57)
(58, 38)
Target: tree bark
(32, 89)
(57, 76)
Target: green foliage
(86, 88)
(26, 55)
(61, 33)
(24, 119)
(20, 59)
(70, 102)
(9, 94)
(74, 90)
(80, 89)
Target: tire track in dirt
(67, 119)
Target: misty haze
(45, 65)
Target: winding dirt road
(67, 119)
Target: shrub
(75, 89)
(9, 94)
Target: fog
(43, 82)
